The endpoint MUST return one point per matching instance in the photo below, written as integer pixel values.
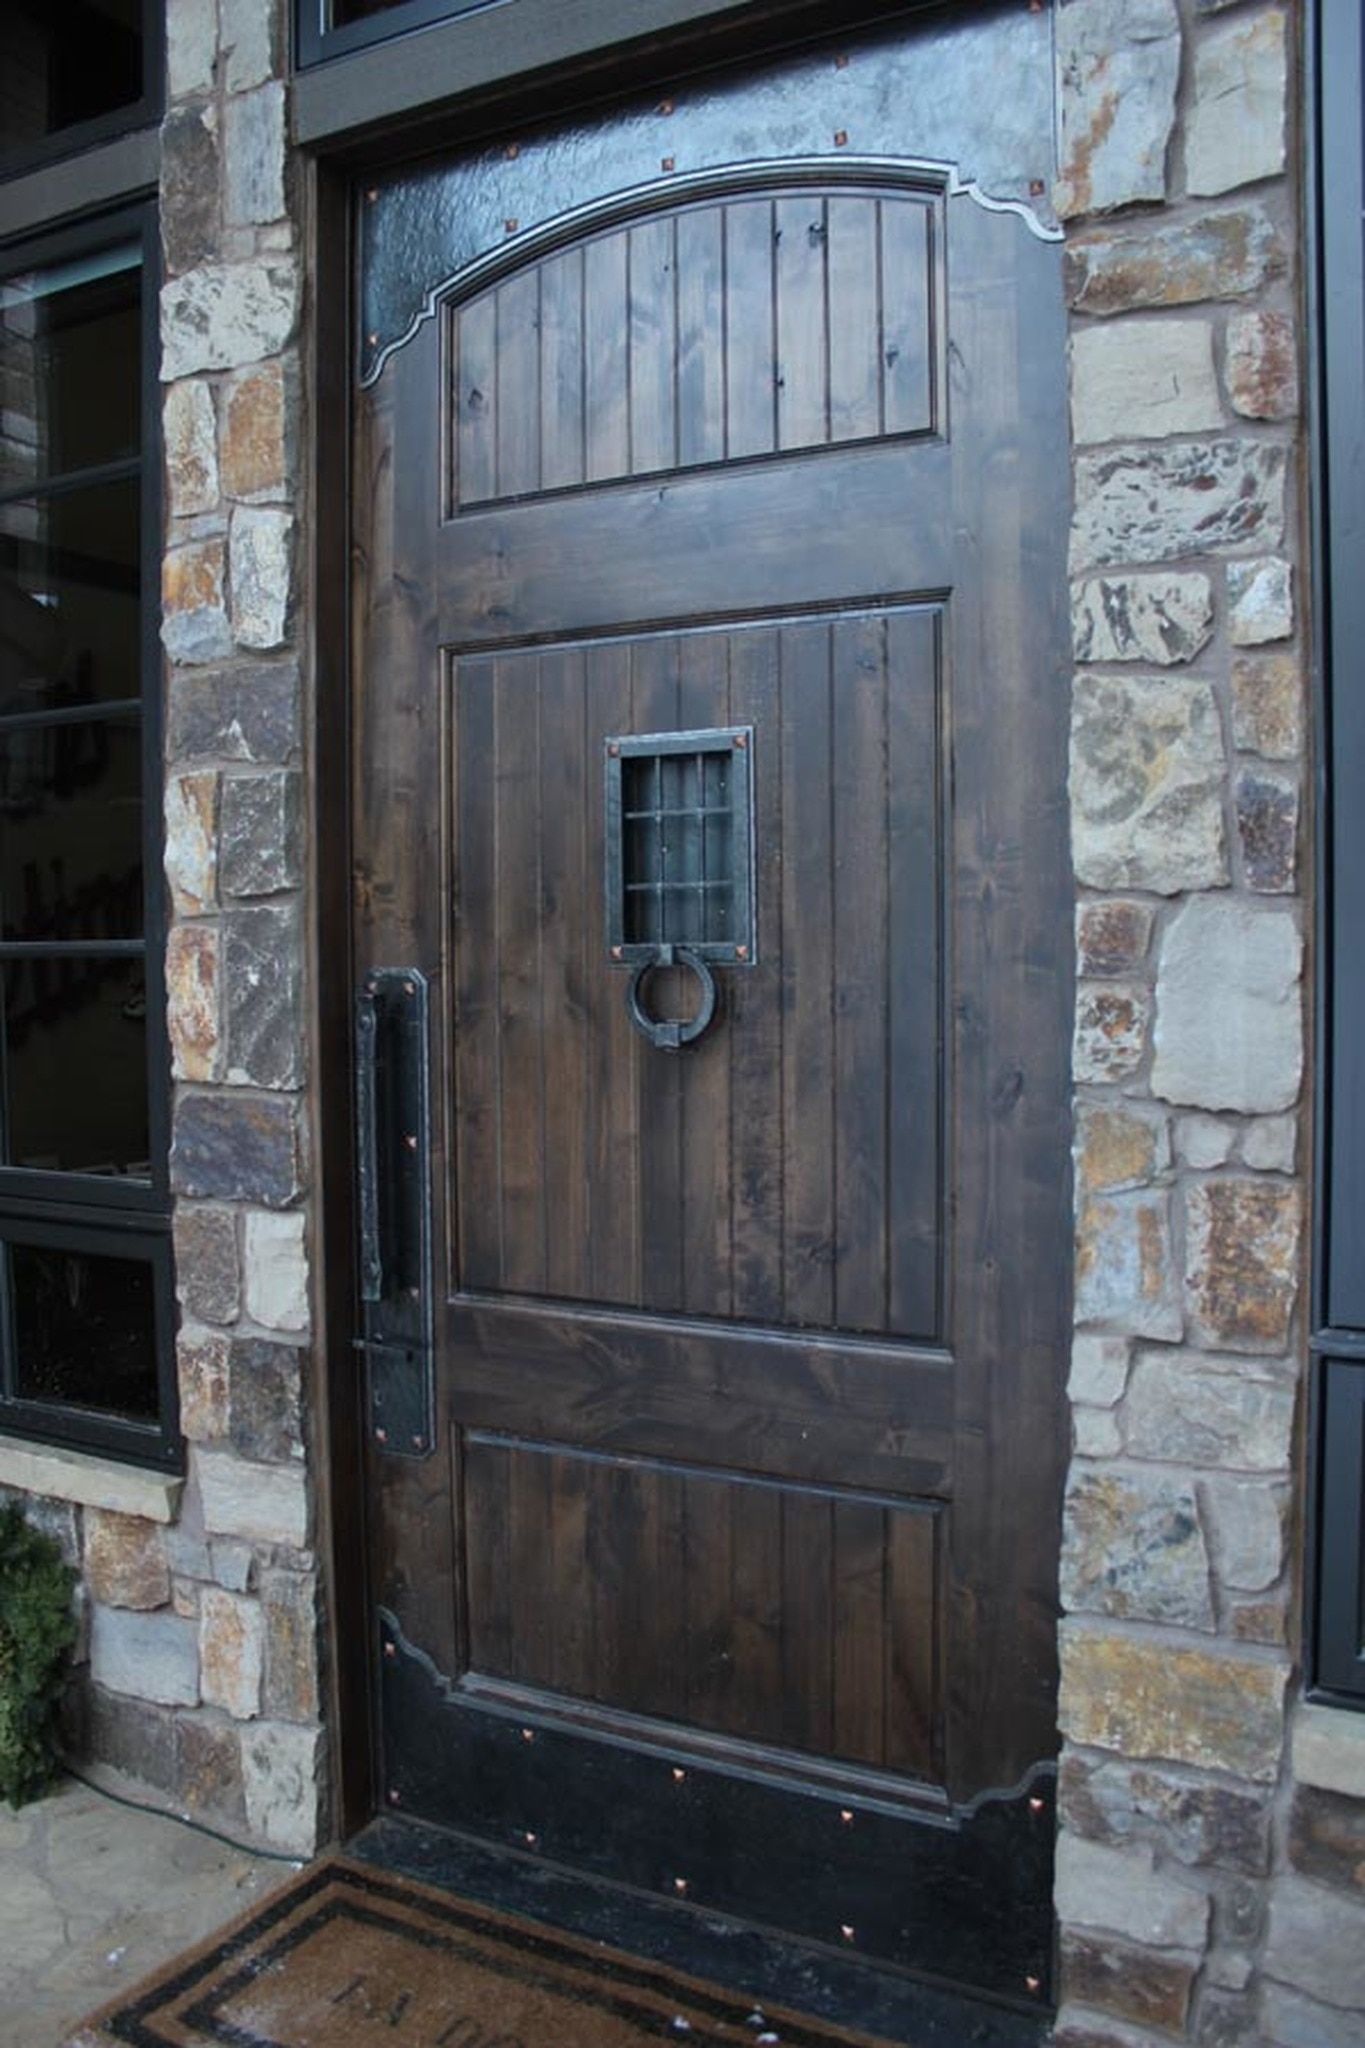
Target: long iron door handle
(393, 1205)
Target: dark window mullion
(37, 490)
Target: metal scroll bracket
(393, 1203)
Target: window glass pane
(70, 612)
(71, 830)
(67, 61)
(84, 1330)
(69, 361)
(76, 1064)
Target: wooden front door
(709, 598)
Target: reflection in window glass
(70, 612)
(76, 1064)
(71, 830)
(84, 1330)
(69, 359)
(65, 62)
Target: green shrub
(37, 1628)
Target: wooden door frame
(760, 32)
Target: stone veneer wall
(1211, 1880)
(1211, 1887)
(204, 1670)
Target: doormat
(346, 1956)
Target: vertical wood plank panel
(860, 1630)
(913, 1730)
(802, 322)
(855, 341)
(808, 977)
(701, 335)
(562, 454)
(476, 401)
(755, 1602)
(906, 274)
(750, 339)
(860, 958)
(653, 347)
(476, 1199)
(517, 900)
(754, 995)
(530, 1516)
(914, 973)
(487, 1559)
(570, 923)
(614, 1046)
(654, 685)
(573, 1608)
(808, 1596)
(519, 384)
(709, 1676)
(606, 345)
(705, 1207)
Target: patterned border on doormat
(345, 1956)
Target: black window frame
(106, 127)
(1335, 1560)
(316, 38)
(90, 1213)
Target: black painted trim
(1335, 1507)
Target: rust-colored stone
(254, 439)
(1112, 936)
(192, 1001)
(125, 1561)
(1241, 1281)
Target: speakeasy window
(84, 1247)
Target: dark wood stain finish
(749, 1356)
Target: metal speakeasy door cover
(711, 659)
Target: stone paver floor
(95, 1894)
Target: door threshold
(840, 1989)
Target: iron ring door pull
(672, 1033)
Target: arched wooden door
(709, 597)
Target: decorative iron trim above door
(845, 116)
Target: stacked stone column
(204, 1648)
(1179, 1578)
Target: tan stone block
(191, 451)
(231, 1648)
(194, 577)
(1147, 1697)
(1242, 1274)
(1112, 1023)
(1125, 1272)
(291, 1648)
(192, 1001)
(203, 1360)
(124, 1561)
(254, 439)
(1267, 706)
(1263, 366)
(195, 624)
(191, 846)
(1118, 1147)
